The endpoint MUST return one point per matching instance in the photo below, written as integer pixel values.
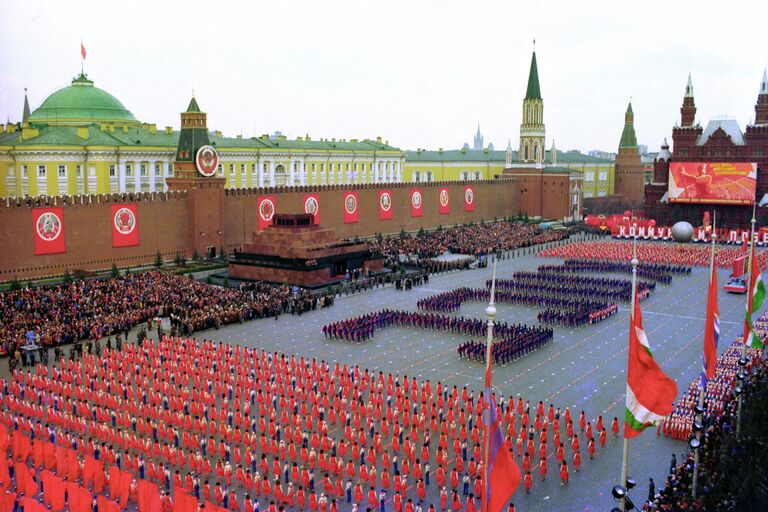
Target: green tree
(178, 260)
(66, 278)
(195, 256)
(209, 279)
(158, 259)
(226, 282)
(15, 284)
(114, 272)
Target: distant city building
(605, 155)
(642, 149)
(478, 145)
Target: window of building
(143, 169)
(221, 169)
(23, 171)
(41, 171)
(62, 171)
(231, 169)
(478, 175)
(603, 175)
(79, 171)
(242, 170)
(112, 172)
(128, 170)
(170, 169)
(158, 170)
(416, 176)
(601, 193)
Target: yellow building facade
(82, 140)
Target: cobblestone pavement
(584, 369)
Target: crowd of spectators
(475, 239)
(92, 309)
(651, 252)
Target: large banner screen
(711, 182)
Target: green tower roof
(193, 107)
(533, 92)
(628, 138)
(80, 103)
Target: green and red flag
(650, 392)
(754, 303)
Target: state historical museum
(721, 166)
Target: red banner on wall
(417, 201)
(266, 211)
(125, 226)
(48, 225)
(444, 200)
(312, 205)
(469, 198)
(385, 204)
(350, 207)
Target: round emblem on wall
(125, 221)
(469, 196)
(311, 206)
(444, 197)
(267, 210)
(385, 201)
(416, 199)
(48, 226)
(207, 160)
(350, 204)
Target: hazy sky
(417, 73)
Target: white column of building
(399, 167)
(260, 170)
(137, 176)
(271, 173)
(120, 176)
(152, 172)
(166, 169)
(302, 172)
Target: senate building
(83, 140)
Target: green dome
(81, 103)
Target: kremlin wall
(164, 221)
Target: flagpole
(490, 311)
(700, 413)
(625, 454)
(742, 361)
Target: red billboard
(712, 182)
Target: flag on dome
(754, 303)
(82, 49)
(650, 392)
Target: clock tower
(194, 170)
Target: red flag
(49, 450)
(444, 200)
(266, 209)
(350, 207)
(503, 473)
(125, 226)
(312, 205)
(6, 500)
(107, 505)
(73, 465)
(48, 226)
(149, 498)
(31, 505)
(385, 204)
(24, 481)
(183, 502)
(650, 392)
(82, 49)
(469, 198)
(417, 201)
(711, 328)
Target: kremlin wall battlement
(164, 221)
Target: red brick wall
(164, 222)
(492, 199)
(88, 236)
